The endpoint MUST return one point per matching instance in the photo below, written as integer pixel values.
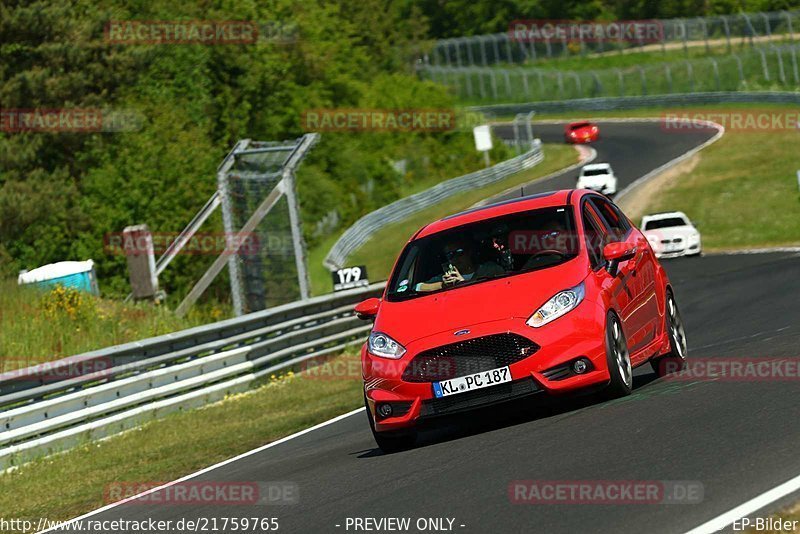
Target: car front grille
(479, 397)
(468, 357)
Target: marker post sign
(483, 141)
(350, 277)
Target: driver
(459, 268)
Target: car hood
(516, 296)
(672, 232)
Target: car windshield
(595, 172)
(580, 125)
(492, 248)
(664, 223)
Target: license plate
(472, 382)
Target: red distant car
(581, 132)
(546, 294)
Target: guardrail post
(529, 127)
(621, 82)
(507, 78)
(716, 73)
(705, 33)
(668, 75)
(764, 65)
(727, 27)
(644, 81)
(495, 49)
(789, 24)
(482, 41)
(794, 65)
(685, 39)
(525, 86)
(470, 57)
(598, 86)
(740, 68)
(493, 78)
(508, 47)
(481, 78)
(578, 84)
(458, 52)
(515, 125)
(749, 29)
(690, 75)
(766, 23)
(781, 72)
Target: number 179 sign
(350, 277)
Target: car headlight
(385, 347)
(558, 305)
(694, 239)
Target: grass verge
(380, 251)
(69, 484)
(38, 326)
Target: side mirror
(368, 309)
(614, 253)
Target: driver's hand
(452, 277)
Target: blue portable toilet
(75, 274)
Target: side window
(615, 220)
(595, 236)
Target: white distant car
(671, 234)
(598, 177)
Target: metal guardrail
(722, 30)
(366, 226)
(636, 102)
(167, 373)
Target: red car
(581, 132)
(547, 294)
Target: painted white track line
(63, 526)
(753, 505)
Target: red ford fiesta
(546, 294)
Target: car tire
(390, 442)
(618, 359)
(675, 359)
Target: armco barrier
(167, 373)
(636, 102)
(366, 226)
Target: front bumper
(579, 334)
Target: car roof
(507, 207)
(592, 166)
(664, 215)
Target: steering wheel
(547, 252)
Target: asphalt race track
(632, 149)
(736, 438)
